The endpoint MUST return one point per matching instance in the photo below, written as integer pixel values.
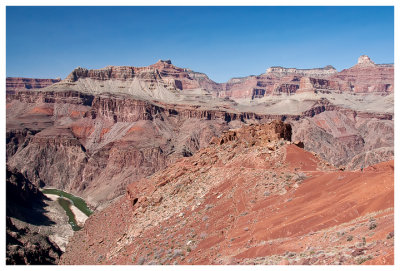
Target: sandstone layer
(14, 84)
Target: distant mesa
(281, 71)
(364, 77)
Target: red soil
(45, 110)
(232, 204)
(82, 131)
(238, 203)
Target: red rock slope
(252, 197)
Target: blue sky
(223, 42)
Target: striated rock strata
(14, 84)
(94, 145)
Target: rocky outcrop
(365, 61)
(261, 135)
(15, 84)
(238, 203)
(27, 247)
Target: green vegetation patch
(78, 202)
(66, 204)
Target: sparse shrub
(363, 259)
(177, 253)
(372, 225)
(142, 260)
(100, 258)
(349, 238)
(203, 235)
(158, 253)
(300, 177)
(390, 235)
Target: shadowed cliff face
(24, 202)
(251, 197)
(27, 247)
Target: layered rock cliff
(364, 77)
(367, 77)
(14, 84)
(318, 72)
(93, 145)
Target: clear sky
(223, 42)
